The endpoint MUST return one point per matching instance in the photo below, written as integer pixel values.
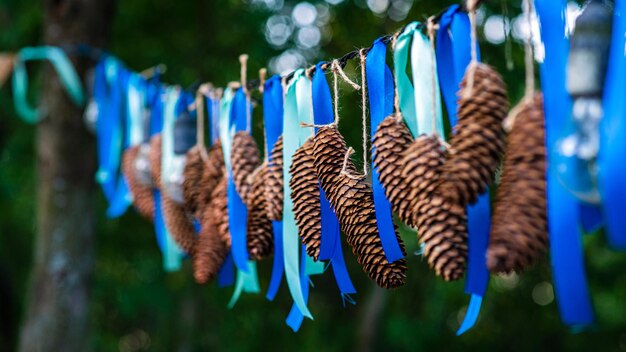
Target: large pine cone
(305, 194)
(519, 228)
(192, 173)
(179, 224)
(143, 199)
(478, 144)
(219, 210)
(211, 176)
(274, 182)
(245, 159)
(389, 143)
(155, 159)
(441, 223)
(260, 233)
(353, 202)
(210, 252)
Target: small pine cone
(155, 159)
(213, 171)
(478, 144)
(519, 228)
(389, 143)
(353, 202)
(260, 232)
(192, 173)
(274, 183)
(219, 210)
(143, 199)
(305, 195)
(179, 224)
(245, 159)
(210, 252)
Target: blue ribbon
(330, 247)
(565, 241)
(273, 119)
(610, 160)
(379, 89)
(454, 55)
(295, 317)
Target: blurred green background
(136, 306)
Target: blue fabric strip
(565, 242)
(378, 90)
(613, 135)
(295, 317)
(226, 274)
(278, 267)
(591, 218)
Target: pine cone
(192, 173)
(305, 195)
(179, 224)
(274, 183)
(519, 228)
(245, 159)
(441, 223)
(210, 252)
(155, 159)
(353, 202)
(219, 210)
(143, 199)
(389, 143)
(478, 144)
(260, 235)
(213, 171)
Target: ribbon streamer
(405, 88)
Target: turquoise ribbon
(426, 87)
(405, 87)
(64, 68)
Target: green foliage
(137, 306)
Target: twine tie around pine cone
(260, 236)
(274, 182)
(519, 225)
(143, 199)
(245, 159)
(478, 144)
(389, 143)
(305, 195)
(210, 251)
(441, 223)
(353, 202)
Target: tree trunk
(58, 299)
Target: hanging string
(337, 70)
(200, 94)
(243, 60)
(432, 29)
(528, 51)
(364, 108)
(262, 76)
(471, 8)
(396, 95)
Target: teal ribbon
(426, 83)
(64, 68)
(406, 93)
(246, 282)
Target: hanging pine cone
(210, 251)
(441, 223)
(260, 235)
(143, 199)
(478, 144)
(353, 202)
(389, 143)
(245, 159)
(274, 182)
(155, 159)
(219, 210)
(213, 171)
(519, 228)
(305, 195)
(192, 173)
(179, 224)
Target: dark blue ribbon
(330, 247)
(613, 135)
(273, 119)
(565, 241)
(379, 89)
(453, 56)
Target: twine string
(471, 7)
(364, 108)
(528, 51)
(243, 59)
(432, 29)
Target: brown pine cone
(305, 195)
(519, 225)
(478, 144)
(219, 210)
(211, 175)
(389, 143)
(143, 199)
(210, 252)
(244, 159)
(179, 224)
(155, 159)
(274, 182)
(192, 173)
(353, 202)
(441, 223)
(260, 235)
